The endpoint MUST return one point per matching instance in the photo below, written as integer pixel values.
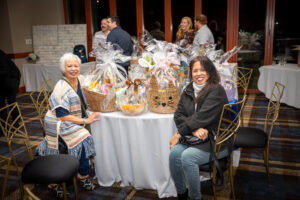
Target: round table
(134, 150)
(288, 75)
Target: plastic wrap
(108, 76)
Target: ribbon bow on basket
(132, 101)
(135, 83)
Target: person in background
(218, 35)
(156, 32)
(203, 33)
(101, 35)
(185, 34)
(120, 37)
(66, 120)
(9, 84)
(198, 114)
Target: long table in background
(35, 74)
(288, 75)
(134, 150)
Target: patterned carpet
(250, 177)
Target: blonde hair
(190, 27)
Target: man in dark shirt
(9, 80)
(118, 36)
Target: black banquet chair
(250, 137)
(51, 169)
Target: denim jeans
(84, 163)
(184, 164)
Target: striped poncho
(74, 135)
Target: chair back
(273, 107)
(242, 76)
(228, 125)
(14, 130)
(13, 127)
(79, 50)
(41, 103)
(48, 86)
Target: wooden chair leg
(214, 182)
(75, 187)
(64, 186)
(266, 159)
(18, 172)
(6, 178)
(231, 180)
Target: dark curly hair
(214, 77)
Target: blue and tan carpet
(250, 177)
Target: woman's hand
(174, 140)
(92, 118)
(201, 133)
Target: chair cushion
(50, 169)
(249, 137)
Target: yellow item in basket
(125, 107)
(138, 106)
(131, 108)
(93, 84)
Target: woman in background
(185, 34)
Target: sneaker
(87, 184)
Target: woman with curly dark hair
(197, 115)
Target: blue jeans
(84, 163)
(184, 164)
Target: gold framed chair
(14, 130)
(48, 86)
(242, 77)
(228, 125)
(28, 194)
(250, 137)
(41, 103)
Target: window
(126, 11)
(181, 9)
(76, 12)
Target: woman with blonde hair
(185, 34)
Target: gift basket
(132, 102)
(100, 85)
(161, 63)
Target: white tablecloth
(134, 150)
(288, 75)
(35, 74)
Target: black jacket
(206, 115)
(8, 67)
(123, 39)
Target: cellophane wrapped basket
(100, 85)
(163, 101)
(132, 98)
(161, 61)
(95, 101)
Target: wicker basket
(95, 101)
(162, 101)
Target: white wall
(17, 18)
(50, 42)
